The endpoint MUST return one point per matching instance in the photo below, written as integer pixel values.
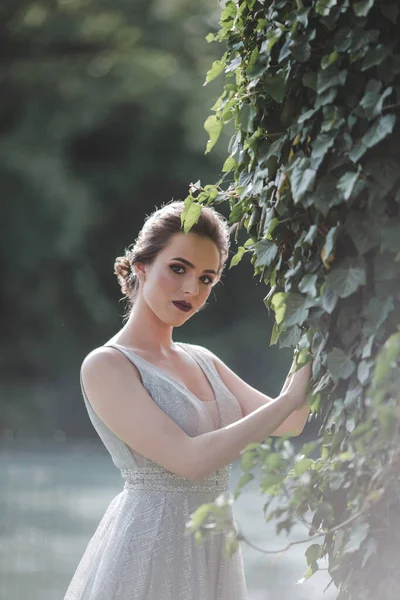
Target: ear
(140, 270)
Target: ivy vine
(313, 90)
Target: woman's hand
(298, 386)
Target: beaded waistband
(159, 479)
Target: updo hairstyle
(156, 233)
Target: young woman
(173, 417)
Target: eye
(210, 280)
(173, 267)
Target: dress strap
(134, 358)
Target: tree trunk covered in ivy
(312, 178)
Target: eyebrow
(189, 264)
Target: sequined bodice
(188, 411)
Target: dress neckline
(204, 369)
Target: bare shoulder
(115, 391)
(105, 361)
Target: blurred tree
(101, 120)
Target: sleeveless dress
(139, 550)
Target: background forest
(101, 120)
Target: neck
(144, 330)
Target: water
(53, 496)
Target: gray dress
(140, 550)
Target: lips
(185, 306)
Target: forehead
(201, 251)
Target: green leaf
(246, 117)
(322, 143)
(301, 177)
(384, 170)
(313, 553)
(347, 182)
(323, 7)
(339, 364)
(238, 257)
(213, 125)
(272, 37)
(275, 86)
(308, 285)
(296, 309)
(329, 59)
(358, 533)
(290, 337)
(329, 78)
(278, 303)
(391, 12)
(266, 251)
(192, 216)
(216, 69)
(390, 237)
(375, 56)
(229, 164)
(362, 8)
(362, 229)
(302, 466)
(372, 102)
(381, 128)
(300, 48)
(347, 278)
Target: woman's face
(185, 270)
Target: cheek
(166, 280)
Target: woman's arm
(215, 449)
(250, 399)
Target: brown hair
(155, 234)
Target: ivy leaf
(357, 535)
(329, 78)
(313, 553)
(246, 117)
(347, 182)
(362, 8)
(320, 147)
(372, 101)
(391, 12)
(278, 303)
(375, 56)
(363, 370)
(390, 237)
(347, 278)
(290, 337)
(308, 285)
(300, 48)
(384, 170)
(229, 164)
(301, 178)
(266, 251)
(275, 86)
(381, 128)
(213, 125)
(363, 231)
(272, 37)
(302, 465)
(216, 69)
(192, 216)
(323, 7)
(296, 309)
(329, 59)
(339, 364)
(238, 257)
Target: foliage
(313, 90)
(100, 118)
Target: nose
(191, 286)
